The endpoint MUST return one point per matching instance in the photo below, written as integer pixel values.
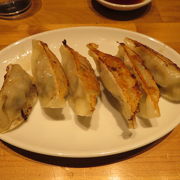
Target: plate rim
(87, 27)
(97, 154)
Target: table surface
(157, 161)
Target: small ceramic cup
(122, 7)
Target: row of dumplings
(135, 77)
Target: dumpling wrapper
(17, 98)
(118, 80)
(149, 102)
(49, 76)
(84, 86)
(164, 71)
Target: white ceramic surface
(62, 134)
(121, 7)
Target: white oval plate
(57, 134)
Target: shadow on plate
(114, 107)
(120, 15)
(145, 123)
(83, 162)
(83, 122)
(54, 113)
(33, 9)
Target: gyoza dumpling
(149, 102)
(50, 79)
(84, 86)
(17, 98)
(165, 72)
(118, 80)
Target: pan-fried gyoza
(118, 80)
(84, 86)
(149, 102)
(165, 72)
(50, 79)
(17, 98)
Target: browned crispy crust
(85, 71)
(125, 80)
(166, 61)
(149, 87)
